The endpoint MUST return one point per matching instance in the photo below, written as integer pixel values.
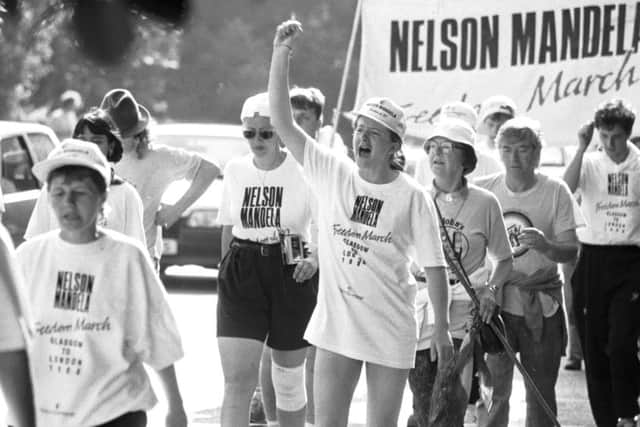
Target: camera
(294, 249)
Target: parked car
(194, 241)
(21, 145)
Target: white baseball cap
(497, 104)
(74, 152)
(386, 112)
(256, 105)
(460, 110)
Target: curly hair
(615, 112)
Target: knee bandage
(288, 384)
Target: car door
(19, 185)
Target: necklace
(453, 196)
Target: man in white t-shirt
(539, 216)
(605, 282)
(15, 379)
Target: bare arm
(441, 346)
(16, 386)
(176, 416)
(281, 118)
(572, 173)
(225, 240)
(499, 275)
(205, 175)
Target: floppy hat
(71, 95)
(458, 131)
(386, 112)
(256, 105)
(497, 104)
(130, 117)
(460, 110)
(74, 152)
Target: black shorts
(258, 298)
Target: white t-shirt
(1, 202)
(547, 206)
(151, 176)
(610, 199)
(14, 306)
(122, 213)
(487, 165)
(100, 312)
(324, 138)
(368, 235)
(259, 203)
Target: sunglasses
(263, 134)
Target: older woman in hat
(123, 209)
(374, 221)
(472, 220)
(100, 311)
(151, 168)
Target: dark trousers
(130, 419)
(606, 288)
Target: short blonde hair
(522, 128)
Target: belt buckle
(264, 251)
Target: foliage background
(204, 70)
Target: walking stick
(456, 265)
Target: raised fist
(286, 33)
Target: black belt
(263, 249)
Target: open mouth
(364, 151)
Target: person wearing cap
(486, 165)
(605, 282)
(151, 168)
(123, 209)
(15, 377)
(472, 218)
(374, 220)
(63, 119)
(264, 297)
(100, 311)
(307, 106)
(494, 111)
(539, 215)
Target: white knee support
(288, 383)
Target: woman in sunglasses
(266, 289)
(472, 220)
(123, 209)
(374, 221)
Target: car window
(16, 166)
(41, 145)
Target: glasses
(444, 146)
(263, 133)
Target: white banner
(557, 59)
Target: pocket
(237, 277)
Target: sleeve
(498, 246)
(11, 332)
(426, 233)
(584, 172)
(151, 327)
(564, 209)
(183, 164)
(339, 145)
(41, 219)
(224, 213)
(134, 227)
(1, 202)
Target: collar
(453, 196)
